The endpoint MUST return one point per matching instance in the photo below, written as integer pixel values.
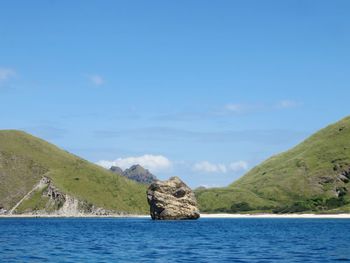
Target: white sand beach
(74, 216)
(275, 216)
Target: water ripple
(205, 240)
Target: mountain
(117, 170)
(38, 177)
(313, 176)
(136, 173)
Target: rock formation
(172, 200)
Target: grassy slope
(24, 159)
(307, 174)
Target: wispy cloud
(242, 108)
(287, 104)
(273, 136)
(152, 162)
(96, 79)
(208, 167)
(46, 131)
(227, 111)
(253, 107)
(6, 74)
(235, 107)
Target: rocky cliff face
(136, 173)
(172, 200)
(55, 203)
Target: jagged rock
(345, 176)
(53, 192)
(172, 200)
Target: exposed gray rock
(345, 176)
(53, 192)
(3, 211)
(172, 200)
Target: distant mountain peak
(116, 169)
(137, 173)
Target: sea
(144, 240)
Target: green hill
(25, 159)
(313, 176)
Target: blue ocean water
(144, 240)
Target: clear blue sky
(200, 89)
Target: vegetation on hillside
(24, 159)
(313, 176)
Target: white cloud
(287, 104)
(97, 80)
(6, 73)
(149, 161)
(208, 167)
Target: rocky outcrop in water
(172, 200)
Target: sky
(204, 90)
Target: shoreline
(310, 216)
(74, 216)
(204, 216)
